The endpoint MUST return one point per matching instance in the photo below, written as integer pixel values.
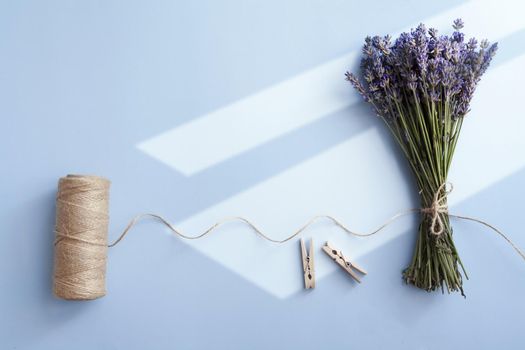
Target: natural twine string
(439, 206)
(82, 220)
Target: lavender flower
(423, 63)
(458, 24)
(422, 85)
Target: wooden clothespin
(308, 265)
(340, 259)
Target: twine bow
(439, 206)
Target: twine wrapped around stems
(439, 206)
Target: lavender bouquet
(421, 86)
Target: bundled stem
(428, 137)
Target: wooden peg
(308, 265)
(340, 259)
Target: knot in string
(439, 206)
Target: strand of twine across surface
(82, 229)
(439, 206)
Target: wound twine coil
(81, 233)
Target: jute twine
(81, 236)
(82, 229)
(439, 206)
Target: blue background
(82, 82)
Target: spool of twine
(81, 235)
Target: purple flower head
(411, 80)
(458, 37)
(357, 85)
(472, 44)
(423, 66)
(458, 24)
(488, 54)
(367, 48)
(435, 96)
